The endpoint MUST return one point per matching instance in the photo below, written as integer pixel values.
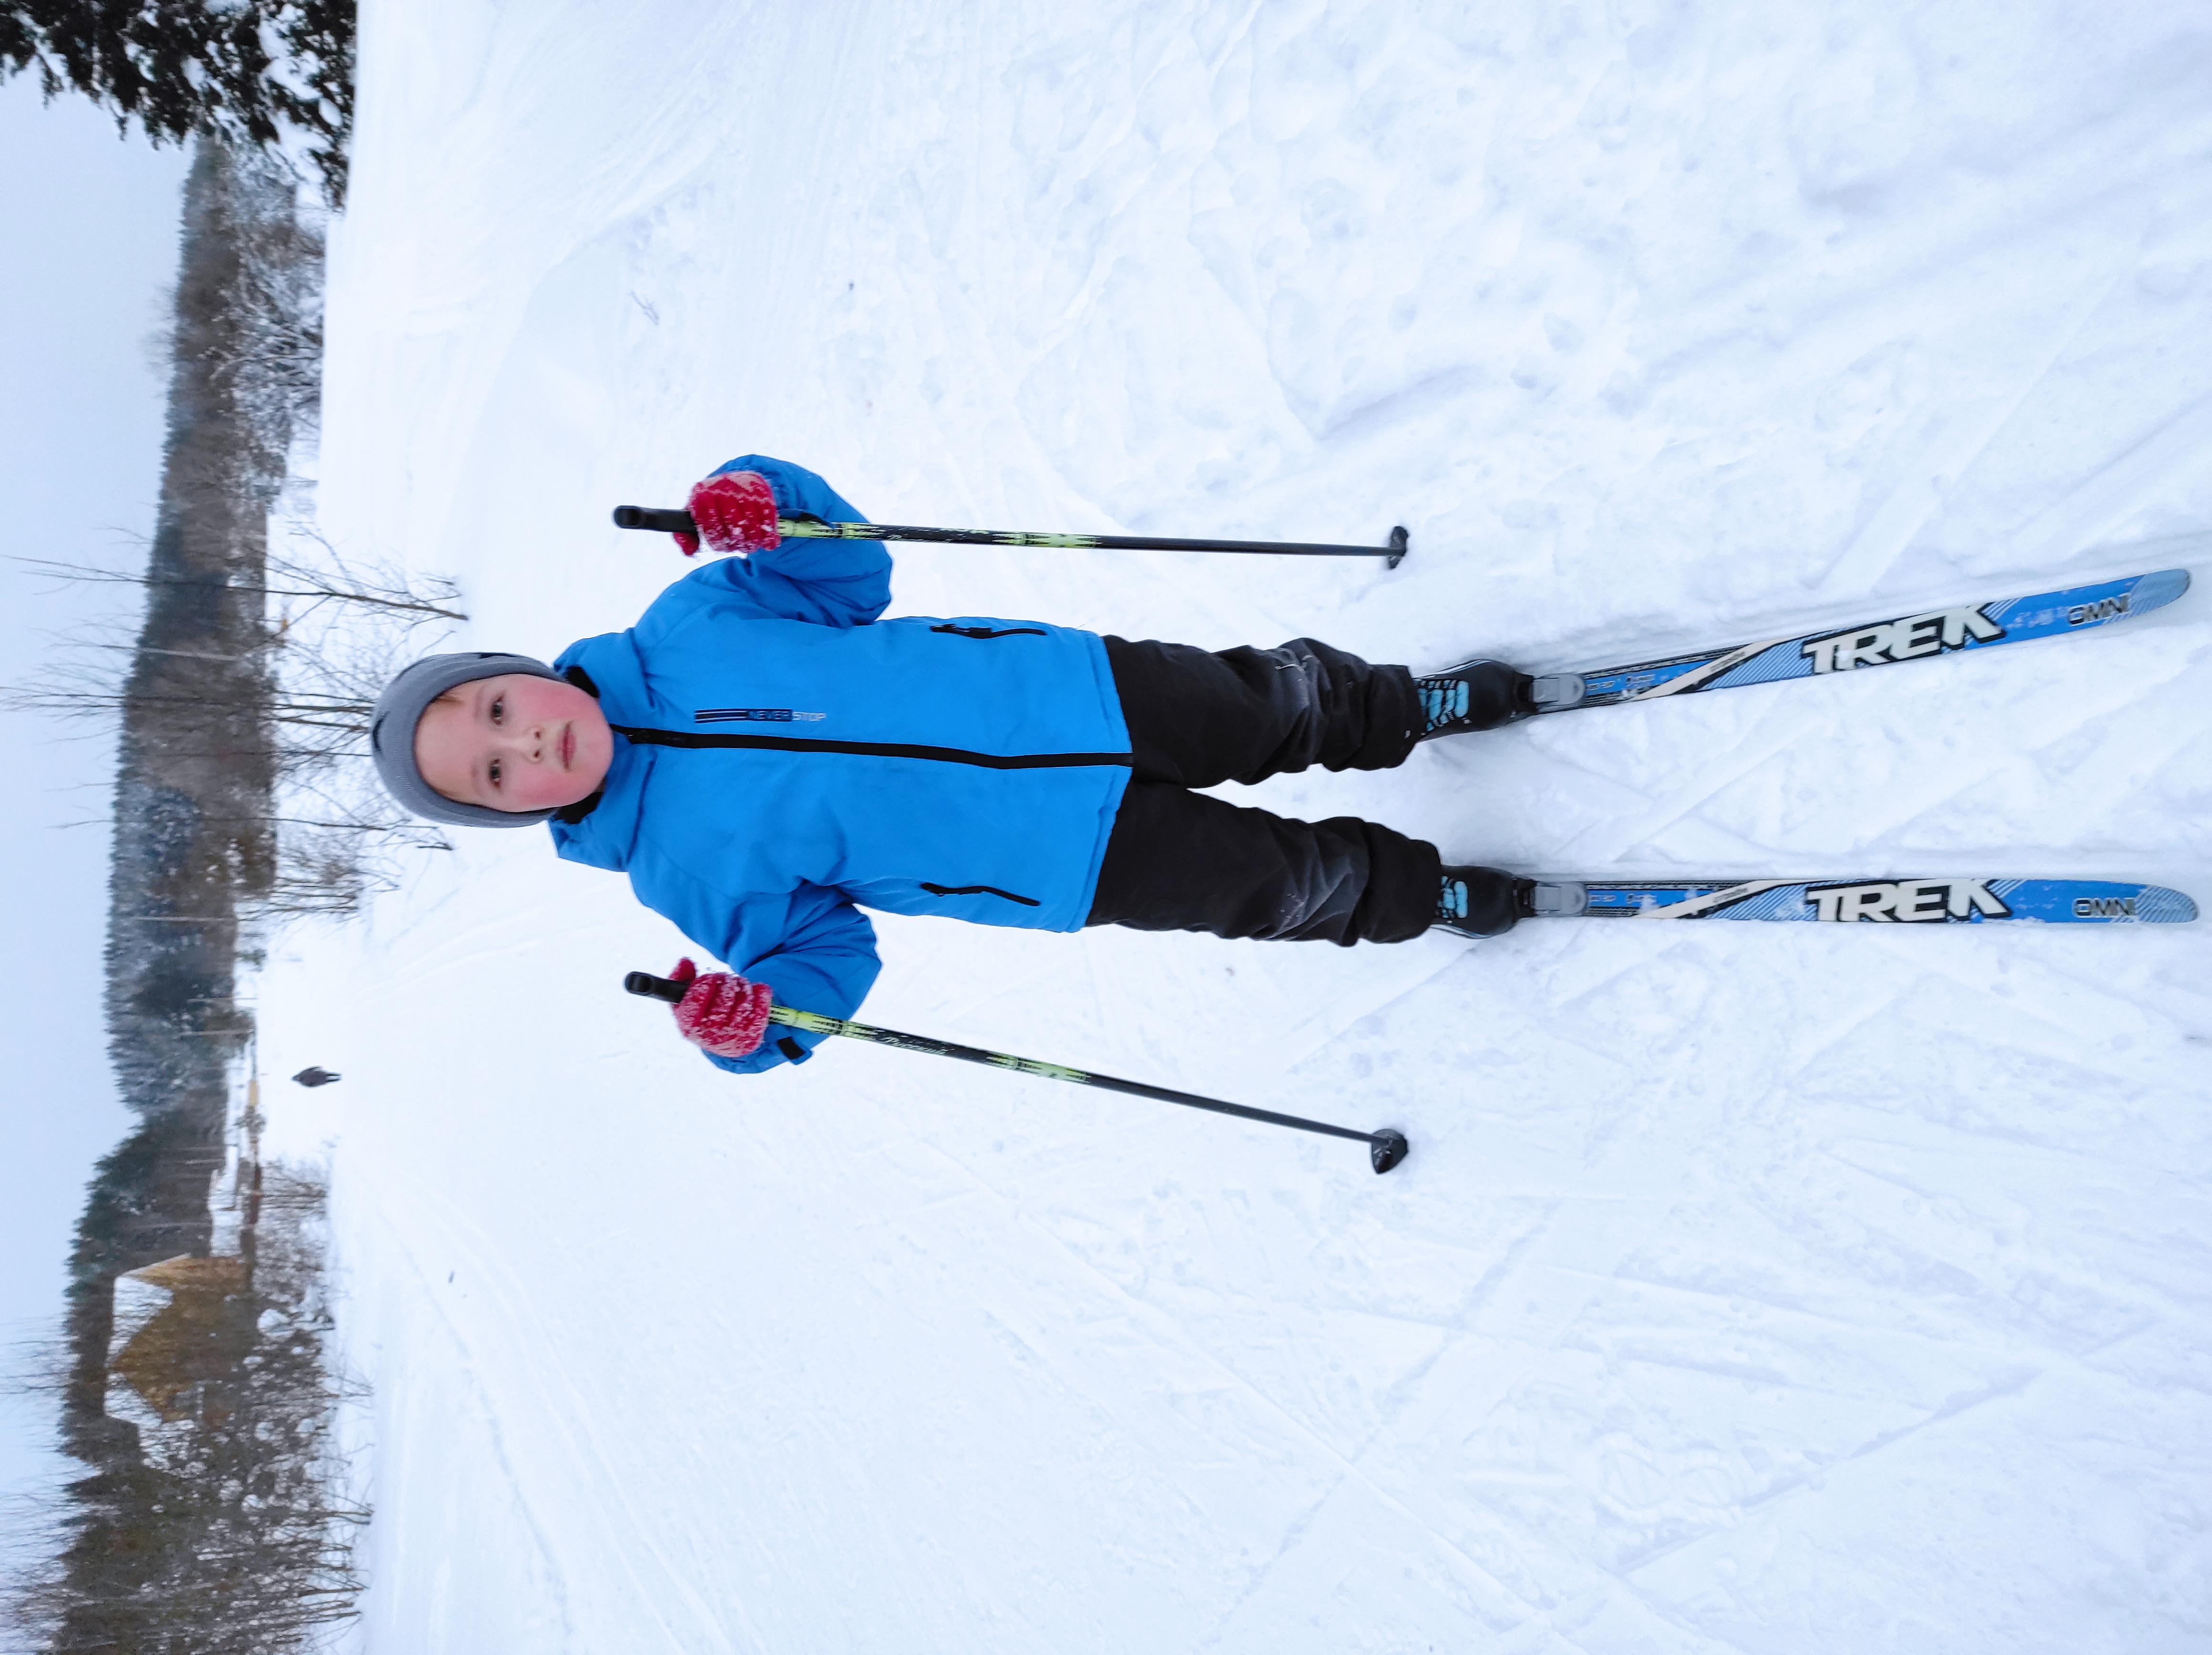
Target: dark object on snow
(1385, 1148)
(316, 1076)
(804, 527)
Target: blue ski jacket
(784, 757)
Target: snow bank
(1779, 1288)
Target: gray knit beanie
(400, 708)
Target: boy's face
(515, 743)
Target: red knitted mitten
(722, 1013)
(735, 511)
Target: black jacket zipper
(699, 738)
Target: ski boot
(1482, 901)
(1490, 902)
(1474, 695)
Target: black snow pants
(1178, 860)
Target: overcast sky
(90, 250)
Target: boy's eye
(494, 773)
(498, 708)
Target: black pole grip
(656, 988)
(654, 519)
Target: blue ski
(1921, 636)
(1953, 901)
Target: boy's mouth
(568, 747)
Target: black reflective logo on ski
(1911, 638)
(1911, 902)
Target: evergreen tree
(241, 71)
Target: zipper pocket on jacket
(979, 890)
(985, 631)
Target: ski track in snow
(1749, 1288)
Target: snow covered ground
(1783, 1288)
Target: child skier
(764, 757)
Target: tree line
(240, 704)
(232, 1530)
(251, 73)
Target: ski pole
(808, 527)
(1386, 1148)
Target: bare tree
(338, 629)
(383, 586)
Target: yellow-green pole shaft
(813, 528)
(815, 1023)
